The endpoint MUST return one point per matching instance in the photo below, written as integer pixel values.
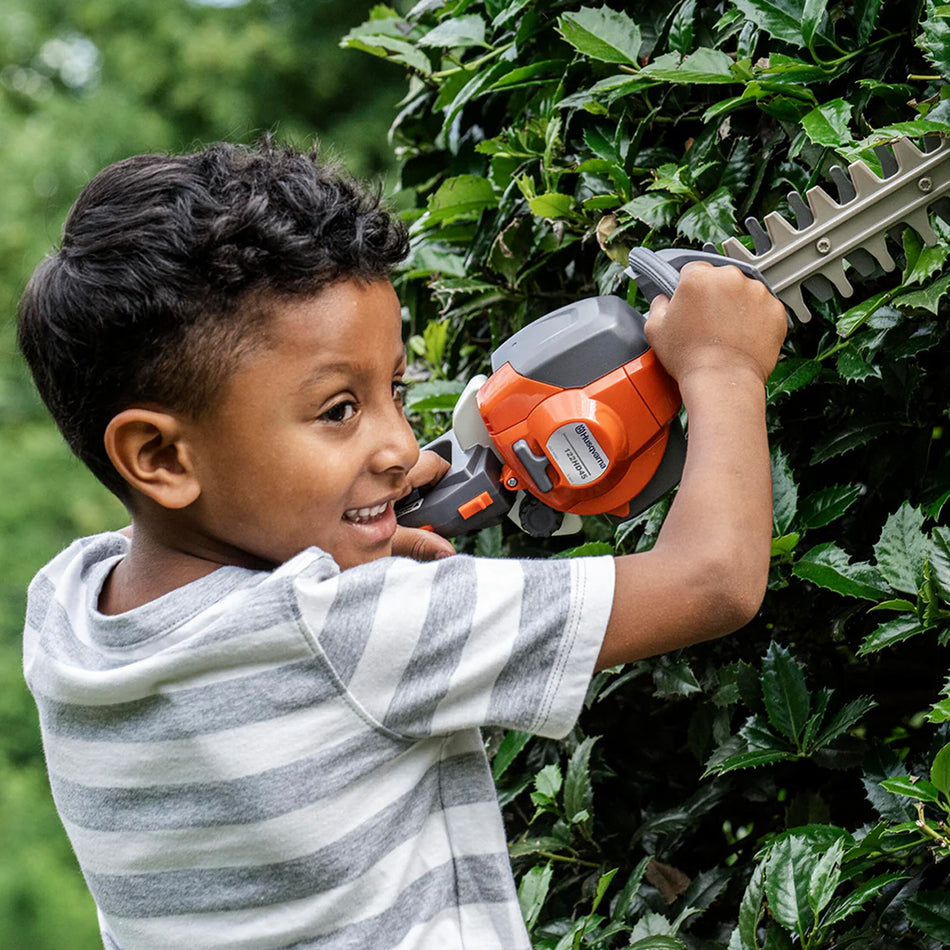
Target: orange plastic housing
(602, 443)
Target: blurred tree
(84, 83)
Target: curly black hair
(165, 270)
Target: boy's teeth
(364, 514)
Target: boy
(261, 726)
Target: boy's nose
(396, 444)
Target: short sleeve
(426, 649)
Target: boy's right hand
(718, 317)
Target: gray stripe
(482, 879)
(264, 605)
(438, 651)
(349, 621)
(225, 889)
(545, 602)
(240, 801)
(183, 713)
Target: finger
(430, 468)
(421, 545)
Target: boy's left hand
(413, 542)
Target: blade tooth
(822, 205)
(886, 157)
(803, 215)
(846, 190)
(760, 236)
(780, 230)
(865, 180)
(710, 248)
(833, 272)
(877, 248)
(820, 286)
(862, 262)
(792, 297)
(920, 222)
(733, 247)
(907, 154)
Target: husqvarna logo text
(577, 454)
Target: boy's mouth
(366, 515)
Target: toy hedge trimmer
(578, 416)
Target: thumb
(421, 545)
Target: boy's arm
(719, 338)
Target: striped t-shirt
(291, 759)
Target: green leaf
(713, 219)
(791, 374)
(859, 897)
(779, 18)
(825, 877)
(551, 205)
(940, 771)
(902, 549)
(939, 556)
(704, 67)
(532, 892)
(849, 714)
(681, 27)
(577, 785)
(511, 745)
(929, 912)
(453, 32)
(751, 910)
(603, 34)
(812, 16)
(859, 314)
(747, 760)
(657, 942)
(785, 544)
(887, 634)
(788, 872)
(909, 787)
(922, 262)
(865, 15)
(926, 299)
(787, 700)
(848, 438)
(852, 366)
(827, 504)
(675, 679)
(784, 492)
(390, 47)
(461, 196)
(935, 39)
(588, 549)
(940, 712)
(656, 209)
(827, 124)
(828, 566)
(548, 781)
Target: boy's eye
(399, 390)
(341, 412)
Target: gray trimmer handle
(468, 497)
(658, 272)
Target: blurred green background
(83, 83)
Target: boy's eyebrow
(343, 367)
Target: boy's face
(308, 444)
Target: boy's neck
(153, 567)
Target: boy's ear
(151, 452)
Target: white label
(577, 453)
